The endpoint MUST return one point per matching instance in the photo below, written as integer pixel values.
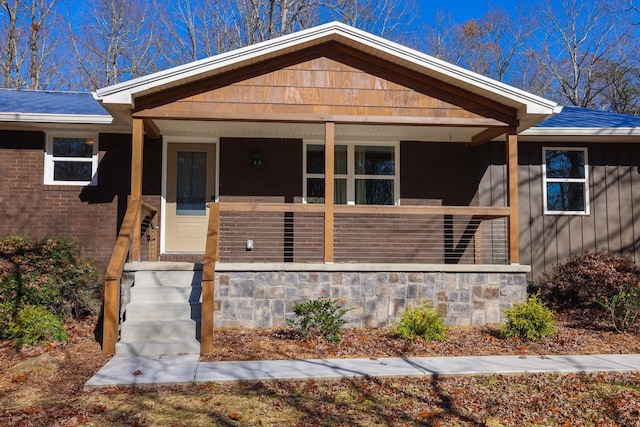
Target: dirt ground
(26, 397)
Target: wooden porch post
(137, 146)
(211, 254)
(329, 143)
(512, 196)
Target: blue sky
(464, 10)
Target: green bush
(34, 325)
(530, 320)
(51, 273)
(320, 317)
(623, 309)
(586, 279)
(422, 321)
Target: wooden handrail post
(512, 195)
(111, 316)
(329, 190)
(208, 278)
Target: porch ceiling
(316, 131)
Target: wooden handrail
(113, 276)
(485, 212)
(208, 277)
(149, 210)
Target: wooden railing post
(329, 191)
(137, 148)
(512, 194)
(208, 277)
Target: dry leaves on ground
(274, 344)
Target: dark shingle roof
(577, 117)
(46, 102)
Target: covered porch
(326, 153)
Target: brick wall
(90, 215)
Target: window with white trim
(364, 174)
(71, 159)
(565, 173)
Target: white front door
(190, 188)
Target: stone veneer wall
(254, 299)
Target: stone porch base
(263, 295)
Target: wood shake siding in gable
(613, 223)
(336, 83)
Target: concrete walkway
(129, 370)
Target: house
(328, 162)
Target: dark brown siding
(279, 179)
(613, 223)
(90, 215)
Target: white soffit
(581, 134)
(315, 131)
(525, 102)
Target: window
(364, 174)
(71, 159)
(566, 184)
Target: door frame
(169, 139)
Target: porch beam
(137, 148)
(151, 129)
(329, 143)
(512, 182)
(487, 135)
(257, 116)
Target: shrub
(320, 317)
(34, 325)
(50, 273)
(623, 309)
(586, 279)
(530, 320)
(422, 321)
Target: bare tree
(38, 12)
(578, 50)
(9, 43)
(116, 42)
(386, 18)
(192, 30)
(253, 21)
(491, 45)
(25, 55)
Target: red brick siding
(90, 215)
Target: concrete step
(166, 330)
(157, 347)
(177, 294)
(168, 278)
(163, 311)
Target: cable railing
(363, 234)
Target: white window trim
(49, 158)
(351, 176)
(584, 181)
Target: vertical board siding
(614, 196)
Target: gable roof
(120, 98)
(577, 123)
(51, 107)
